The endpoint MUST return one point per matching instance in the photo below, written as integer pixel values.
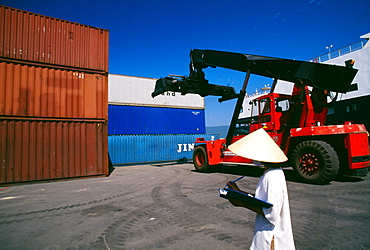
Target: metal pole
(329, 55)
(238, 107)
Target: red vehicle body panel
(328, 130)
(358, 150)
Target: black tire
(200, 159)
(315, 161)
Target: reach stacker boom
(296, 122)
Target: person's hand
(233, 186)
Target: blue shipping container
(139, 120)
(140, 149)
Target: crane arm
(323, 76)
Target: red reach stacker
(296, 122)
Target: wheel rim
(309, 164)
(200, 159)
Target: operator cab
(269, 112)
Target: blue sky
(154, 38)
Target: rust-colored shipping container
(27, 36)
(53, 98)
(33, 150)
(34, 91)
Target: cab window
(282, 105)
(265, 106)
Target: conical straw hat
(258, 146)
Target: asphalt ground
(171, 206)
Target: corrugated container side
(154, 120)
(45, 150)
(136, 91)
(43, 92)
(32, 37)
(140, 149)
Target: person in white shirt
(273, 229)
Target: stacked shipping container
(54, 42)
(140, 149)
(132, 110)
(143, 129)
(53, 98)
